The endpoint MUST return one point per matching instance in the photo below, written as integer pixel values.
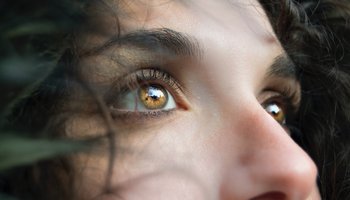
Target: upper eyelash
(156, 74)
(142, 76)
(291, 95)
(288, 95)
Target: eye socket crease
(125, 101)
(167, 42)
(281, 89)
(281, 77)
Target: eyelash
(137, 79)
(285, 97)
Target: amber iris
(276, 112)
(153, 96)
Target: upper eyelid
(281, 77)
(133, 79)
(284, 99)
(152, 73)
(286, 86)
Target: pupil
(154, 93)
(274, 109)
(153, 96)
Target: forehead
(181, 15)
(233, 36)
(203, 19)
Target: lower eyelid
(135, 79)
(128, 117)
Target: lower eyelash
(287, 98)
(140, 77)
(127, 116)
(134, 81)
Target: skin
(219, 142)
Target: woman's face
(201, 95)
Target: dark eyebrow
(170, 42)
(160, 40)
(282, 66)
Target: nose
(268, 163)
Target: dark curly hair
(316, 35)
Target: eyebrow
(162, 40)
(282, 66)
(170, 42)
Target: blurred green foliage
(6, 197)
(15, 151)
(32, 38)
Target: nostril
(271, 196)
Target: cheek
(161, 146)
(160, 185)
(151, 162)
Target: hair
(315, 35)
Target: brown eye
(146, 98)
(276, 111)
(153, 96)
(146, 91)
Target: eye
(145, 98)
(276, 111)
(145, 94)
